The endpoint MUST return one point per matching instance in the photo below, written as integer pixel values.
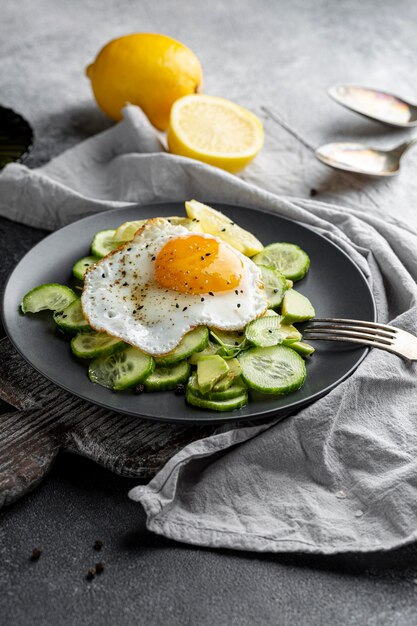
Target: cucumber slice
(103, 243)
(296, 307)
(121, 370)
(288, 258)
(81, 266)
(92, 345)
(51, 296)
(275, 285)
(164, 378)
(72, 319)
(278, 369)
(194, 341)
(228, 339)
(302, 348)
(211, 348)
(265, 331)
(289, 333)
(217, 405)
(235, 390)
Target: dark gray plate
(335, 285)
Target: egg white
(122, 298)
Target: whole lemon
(146, 69)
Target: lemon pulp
(214, 130)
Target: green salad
(213, 368)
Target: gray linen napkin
(341, 475)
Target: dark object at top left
(16, 137)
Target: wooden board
(43, 419)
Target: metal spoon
(356, 157)
(377, 105)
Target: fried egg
(168, 280)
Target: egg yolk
(195, 264)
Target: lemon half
(216, 223)
(127, 230)
(214, 130)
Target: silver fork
(395, 340)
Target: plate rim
(209, 416)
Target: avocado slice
(296, 307)
(229, 378)
(234, 367)
(290, 334)
(302, 348)
(210, 369)
(225, 382)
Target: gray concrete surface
(277, 58)
(153, 581)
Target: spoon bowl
(362, 159)
(377, 105)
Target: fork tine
(351, 331)
(338, 320)
(395, 340)
(365, 342)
